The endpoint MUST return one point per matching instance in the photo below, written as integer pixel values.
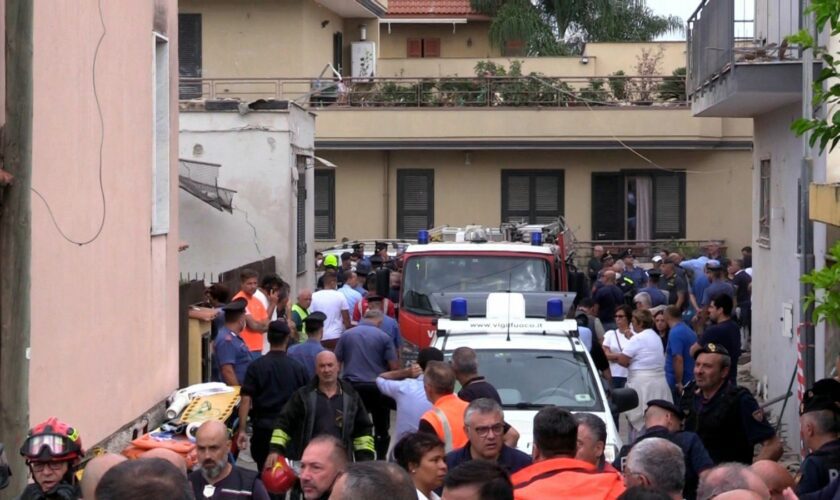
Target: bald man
(775, 477)
(168, 455)
(300, 311)
(728, 477)
(216, 473)
(607, 297)
(326, 405)
(94, 470)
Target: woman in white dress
(645, 364)
(422, 455)
(614, 343)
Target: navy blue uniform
(727, 334)
(730, 423)
(232, 350)
(819, 468)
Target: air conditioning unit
(363, 60)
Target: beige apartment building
(419, 137)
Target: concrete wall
(257, 153)
(468, 40)
(104, 314)
(264, 38)
(652, 123)
(466, 194)
(776, 267)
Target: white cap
(657, 258)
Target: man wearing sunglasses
(52, 450)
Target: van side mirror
(623, 399)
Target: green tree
(552, 27)
(823, 130)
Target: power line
(101, 146)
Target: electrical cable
(101, 146)
(623, 144)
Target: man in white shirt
(334, 305)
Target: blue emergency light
(554, 310)
(423, 237)
(536, 238)
(458, 309)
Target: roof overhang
(354, 8)
(320, 162)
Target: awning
(324, 163)
(200, 179)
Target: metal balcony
(743, 67)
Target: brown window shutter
(414, 47)
(431, 47)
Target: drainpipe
(386, 195)
(16, 238)
(806, 236)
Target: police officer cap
(374, 298)
(375, 261)
(654, 272)
(824, 395)
(666, 405)
(345, 256)
(626, 253)
(712, 348)
(381, 245)
(607, 256)
(315, 320)
(237, 306)
(363, 268)
(358, 246)
(278, 327)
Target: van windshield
(429, 274)
(532, 379)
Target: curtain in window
(644, 205)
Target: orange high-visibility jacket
(447, 419)
(566, 478)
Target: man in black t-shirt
(269, 384)
(723, 331)
(217, 477)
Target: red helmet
(280, 478)
(52, 441)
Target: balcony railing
(525, 91)
(723, 33)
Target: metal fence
(490, 91)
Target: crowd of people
(319, 383)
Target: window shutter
(431, 47)
(517, 197)
(669, 206)
(415, 201)
(189, 54)
(414, 47)
(534, 196)
(548, 198)
(324, 205)
(608, 205)
(301, 213)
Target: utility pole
(806, 234)
(16, 240)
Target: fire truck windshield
(429, 274)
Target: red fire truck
(474, 261)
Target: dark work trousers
(260, 439)
(379, 406)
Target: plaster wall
(471, 194)
(104, 319)
(776, 266)
(257, 152)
